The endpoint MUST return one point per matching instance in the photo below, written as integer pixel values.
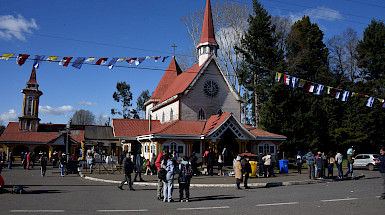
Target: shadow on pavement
(216, 197)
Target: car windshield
(375, 156)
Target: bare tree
(230, 22)
(83, 117)
(103, 120)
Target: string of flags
(317, 89)
(79, 61)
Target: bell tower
(30, 119)
(207, 45)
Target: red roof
(13, 134)
(261, 133)
(180, 128)
(168, 78)
(208, 26)
(214, 121)
(32, 79)
(132, 127)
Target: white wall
(157, 114)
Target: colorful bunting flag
(112, 63)
(157, 58)
(286, 78)
(370, 102)
(164, 58)
(294, 81)
(78, 62)
(38, 59)
(311, 87)
(345, 96)
(90, 59)
(302, 83)
(277, 74)
(52, 58)
(101, 61)
(65, 61)
(139, 60)
(20, 60)
(131, 60)
(6, 56)
(318, 92)
(148, 57)
(121, 59)
(329, 89)
(337, 94)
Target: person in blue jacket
(381, 167)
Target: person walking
(28, 159)
(148, 167)
(194, 164)
(152, 163)
(91, 162)
(260, 164)
(63, 164)
(331, 161)
(238, 172)
(310, 160)
(33, 157)
(10, 160)
(158, 164)
(350, 155)
(139, 166)
(220, 165)
(43, 164)
(381, 167)
(168, 183)
(299, 161)
(338, 160)
(320, 166)
(210, 162)
(247, 170)
(184, 178)
(268, 165)
(128, 167)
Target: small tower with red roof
(207, 45)
(30, 119)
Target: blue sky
(136, 29)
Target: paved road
(74, 195)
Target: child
(184, 179)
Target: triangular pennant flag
(294, 81)
(112, 63)
(337, 94)
(121, 59)
(131, 60)
(38, 59)
(345, 96)
(20, 60)
(101, 61)
(157, 58)
(6, 56)
(277, 75)
(164, 58)
(302, 83)
(65, 61)
(329, 89)
(370, 102)
(139, 60)
(381, 100)
(318, 92)
(287, 79)
(78, 62)
(52, 58)
(90, 59)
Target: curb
(274, 184)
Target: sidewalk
(291, 178)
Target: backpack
(185, 174)
(299, 159)
(162, 174)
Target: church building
(194, 110)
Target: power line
(365, 3)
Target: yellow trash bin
(254, 165)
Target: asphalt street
(73, 195)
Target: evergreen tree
(140, 107)
(124, 96)
(261, 56)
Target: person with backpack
(168, 182)
(299, 162)
(184, 178)
(310, 160)
(158, 164)
(338, 159)
(128, 168)
(331, 161)
(43, 164)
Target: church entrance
(228, 140)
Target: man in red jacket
(158, 164)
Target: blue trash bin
(284, 166)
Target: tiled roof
(168, 78)
(214, 121)
(261, 133)
(180, 128)
(13, 134)
(208, 26)
(132, 127)
(32, 79)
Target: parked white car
(366, 161)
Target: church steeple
(207, 45)
(30, 119)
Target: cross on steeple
(174, 46)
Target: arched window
(163, 117)
(201, 114)
(171, 115)
(219, 111)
